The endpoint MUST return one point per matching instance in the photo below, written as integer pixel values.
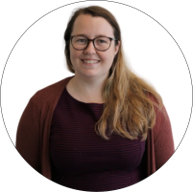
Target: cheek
(108, 57)
(74, 55)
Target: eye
(79, 40)
(102, 41)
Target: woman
(102, 129)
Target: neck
(87, 90)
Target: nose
(90, 48)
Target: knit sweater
(81, 159)
(33, 133)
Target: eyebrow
(87, 36)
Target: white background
(37, 61)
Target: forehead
(92, 26)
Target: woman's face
(91, 62)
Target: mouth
(89, 61)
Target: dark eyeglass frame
(93, 40)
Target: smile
(90, 61)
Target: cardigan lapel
(151, 166)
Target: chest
(76, 148)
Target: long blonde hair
(129, 109)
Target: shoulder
(51, 92)
(162, 126)
(162, 119)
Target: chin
(98, 76)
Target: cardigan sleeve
(28, 136)
(163, 138)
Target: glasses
(100, 43)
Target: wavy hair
(129, 109)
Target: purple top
(81, 159)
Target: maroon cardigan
(32, 140)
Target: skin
(89, 77)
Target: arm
(28, 135)
(163, 138)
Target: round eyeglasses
(100, 43)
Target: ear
(117, 47)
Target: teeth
(90, 61)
